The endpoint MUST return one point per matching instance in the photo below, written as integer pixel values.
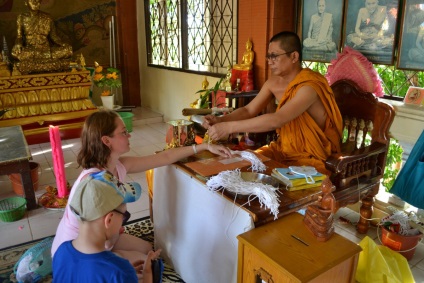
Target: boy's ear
(108, 220)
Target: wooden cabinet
(285, 251)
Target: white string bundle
(233, 182)
(401, 218)
(257, 164)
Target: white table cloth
(196, 228)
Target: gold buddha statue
(247, 60)
(38, 48)
(4, 69)
(226, 83)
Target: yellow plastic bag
(381, 264)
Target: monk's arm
(358, 21)
(300, 103)
(253, 108)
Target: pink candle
(58, 162)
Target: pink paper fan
(352, 65)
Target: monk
(307, 118)
(320, 34)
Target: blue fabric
(409, 184)
(70, 265)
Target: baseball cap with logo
(99, 193)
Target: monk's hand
(220, 150)
(210, 120)
(219, 131)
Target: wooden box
(271, 253)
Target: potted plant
(393, 162)
(203, 102)
(109, 80)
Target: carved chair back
(366, 124)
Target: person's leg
(128, 242)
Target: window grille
(192, 35)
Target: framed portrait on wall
(320, 29)
(415, 96)
(411, 48)
(370, 28)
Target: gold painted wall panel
(45, 94)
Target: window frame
(183, 41)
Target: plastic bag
(35, 263)
(381, 264)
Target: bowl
(260, 178)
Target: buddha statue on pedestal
(247, 60)
(38, 48)
(243, 72)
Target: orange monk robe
(301, 141)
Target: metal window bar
(191, 34)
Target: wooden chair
(358, 169)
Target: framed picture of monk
(411, 47)
(320, 29)
(370, 28)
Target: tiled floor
(147, 137)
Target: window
(395, 82)
(191, 35)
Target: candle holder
(50, 199)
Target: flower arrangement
(108, 77)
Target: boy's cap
(99, 193)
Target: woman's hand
(220, 150)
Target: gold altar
(39, 100)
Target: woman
(104, 140)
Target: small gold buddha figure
(226, 83)
(205, 83)
(4, 68)
(82, 62)
(247, 60)
(197, 103)
(38, 47)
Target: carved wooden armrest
(360, 163)
(336, 162)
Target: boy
(100, 204)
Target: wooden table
(14, 158)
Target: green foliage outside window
(395, 82)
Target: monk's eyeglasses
(272, 57)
